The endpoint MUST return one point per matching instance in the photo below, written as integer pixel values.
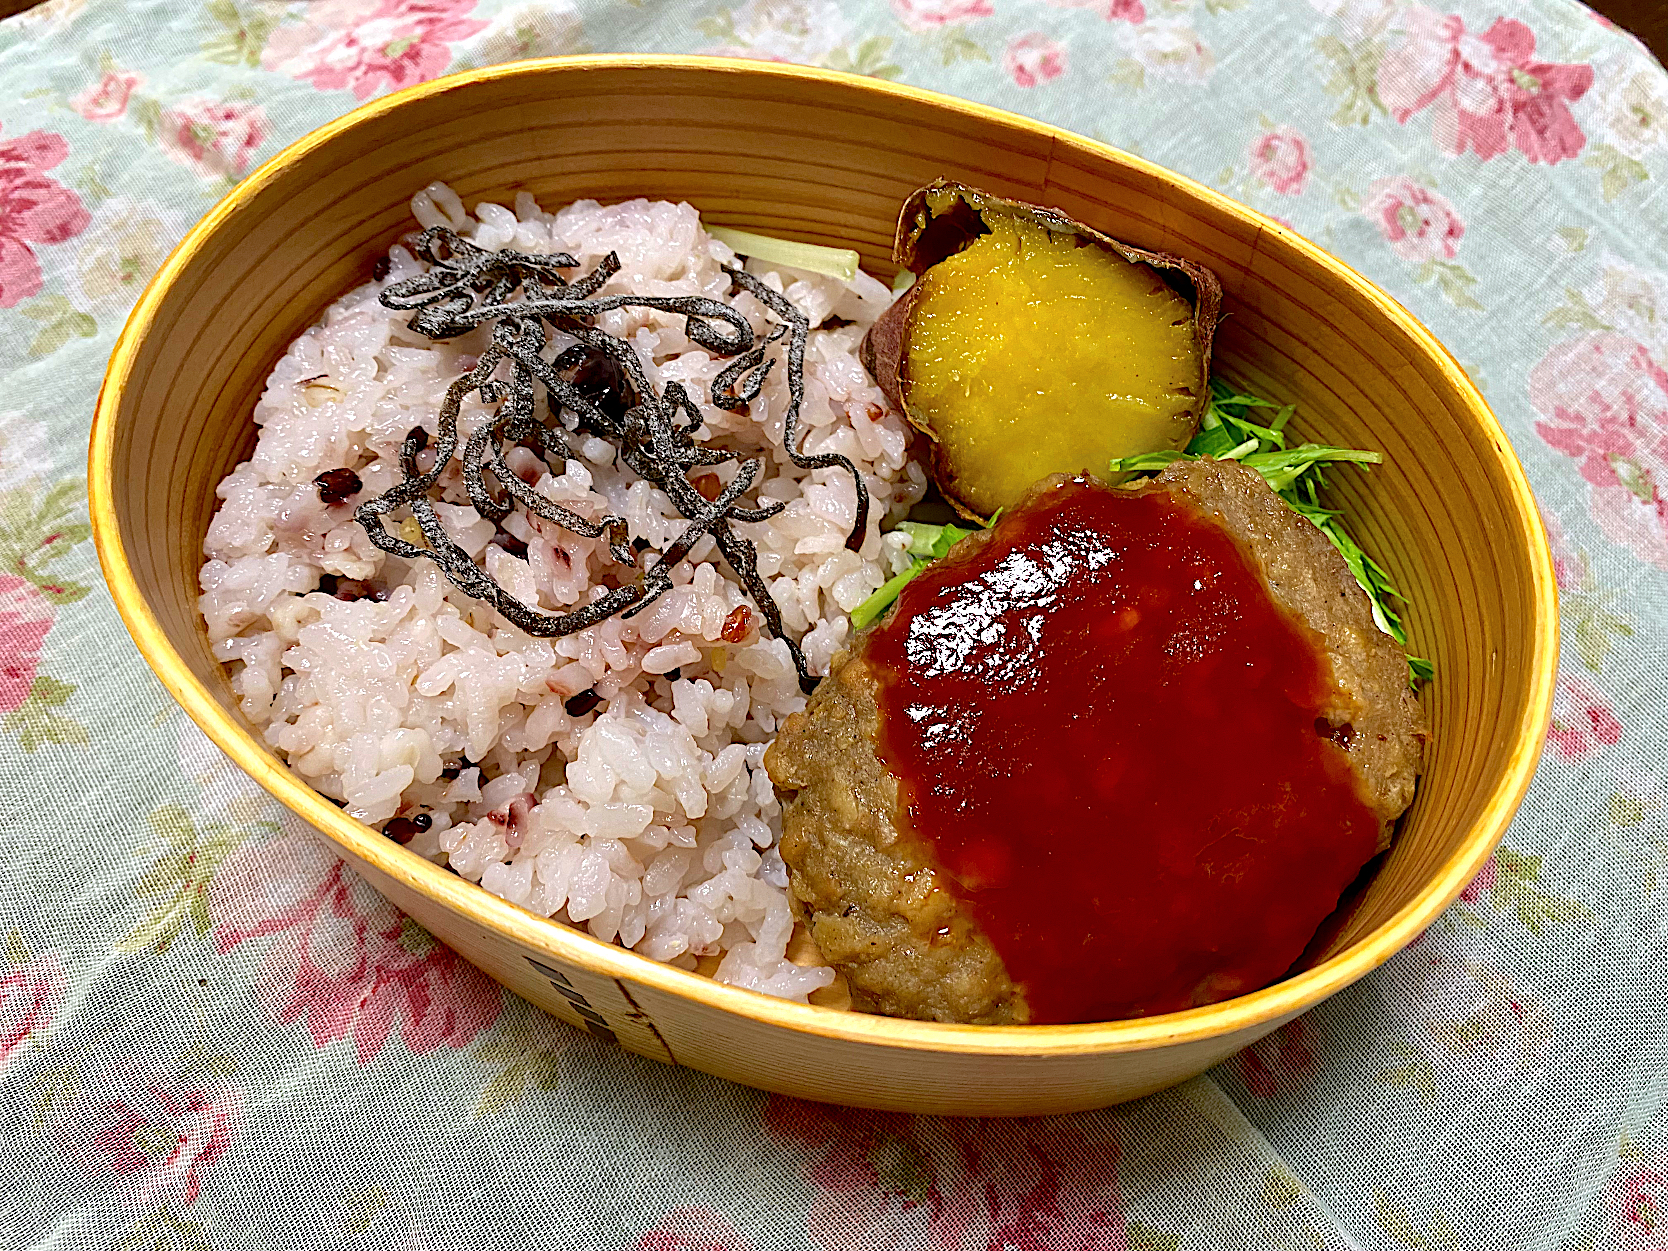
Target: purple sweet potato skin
(940, 220)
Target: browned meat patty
(1377, 719)
(878, 908)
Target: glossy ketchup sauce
(1107, 730)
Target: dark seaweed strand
(748, 372)
(799, 331)
(466, 287)
(453, 561)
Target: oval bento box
(828, 158)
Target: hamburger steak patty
(879, 907)
(1377, 719)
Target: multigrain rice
(611, 779)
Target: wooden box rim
(1285, 998)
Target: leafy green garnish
(1227, 432)
(838, 263)
(926, 543)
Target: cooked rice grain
(647, 819)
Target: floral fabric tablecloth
(214, 1036)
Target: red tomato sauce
(1107, 729)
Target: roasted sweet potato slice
(1031, 344)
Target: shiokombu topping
(336, 486)
(1031, 344)
(514, 546)
(596, 387)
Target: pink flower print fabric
(929, 15)
(341, 958)
(1417, 223)
(1034, 59)
(157, 1137)
(365, 49)
(35, 208)
(1281, 160)
(213, 137)
(213, 1035)
(1486, 92)
(30, 995)
(106, 99)
(25, 618)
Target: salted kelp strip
(597, 386)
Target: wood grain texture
(828, 158)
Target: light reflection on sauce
(1107, 730)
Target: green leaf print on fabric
(49, 1090)
(238, 37)
(164, 1230)
(364, 1207)
(1592, 625)
(901, 1167)
(1415, 1072)
(1144, 1238)
(60, 323)
(1633, 811)
(868, 59)
(1129, 74)
(37, 529)
(956, 46)
(1395, 1219)
(37, 721)
(1354, 79)
(1511, 880)
(1280, 1188)
(91, 184)
(527, 1048)
(1619, 171)
(1577, 312)
(180, 877)
(1454, 280)
(147, 115)
(1574, 237)
(720, 26)
(1627, 809)
(35, 534)
(1516, 887)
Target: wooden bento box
(828, 158)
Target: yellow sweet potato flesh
(1032, 352)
